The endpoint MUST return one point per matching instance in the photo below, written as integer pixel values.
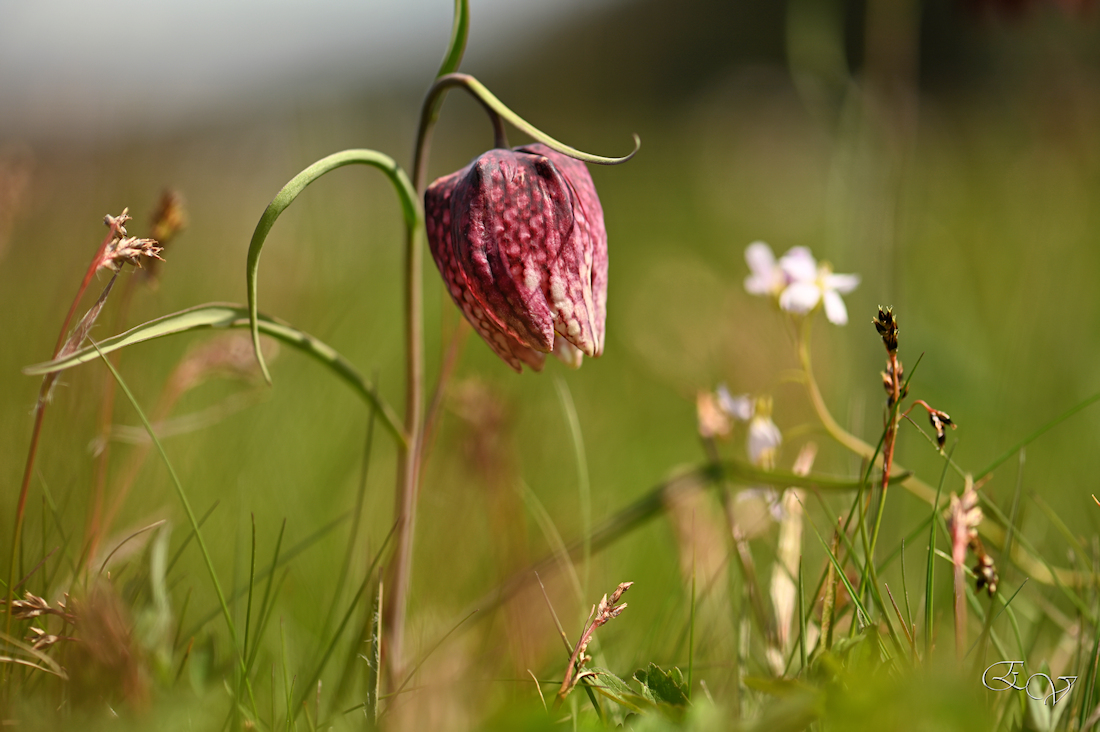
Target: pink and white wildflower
(798, 281)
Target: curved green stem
(410, 208)
(497, 111)
(230, 315)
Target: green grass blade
(297, 549)
(840, 573)
(182, 495)
(251, 588)
(264, 610)
(691, 622)
(356, 520)
(584, 488)
(344, 622)
(232, 315)
(905, 591)
(801, 616)
(191, 535)
(930, 573)
(288, 684)
(410, 206)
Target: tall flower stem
(410, 455)
(408, 474)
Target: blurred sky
(72, 68)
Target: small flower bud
(519, 238)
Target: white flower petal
(766, 278)
(739, 407)
(759, 257)
(835, 310)
(842, 283)
(799, 265)
(800, 297)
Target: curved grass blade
(231, 315)
(490, 102)
(410, 207)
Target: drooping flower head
(519, 238)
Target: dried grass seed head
(887, 326)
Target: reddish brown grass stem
(116, 231)
(892, 421)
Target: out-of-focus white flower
(798, 281)
(766, 277)
(764, 437)
(739, 407)
(812, 283)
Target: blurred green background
(947, 152)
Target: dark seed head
(887, 326)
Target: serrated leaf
(620, 692)
(666, 687)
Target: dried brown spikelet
(887, 326)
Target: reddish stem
(892, 421)
(40, 407)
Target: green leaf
(666, 687)
(620, 692)
(230, 315)
(410, 206)
(486, 97)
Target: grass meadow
(950, 158)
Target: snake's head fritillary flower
(519, 238)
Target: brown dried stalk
(887, 326)
(111, 251)
(605, 611)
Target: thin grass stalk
(293, 552)
(356, 520)
(331, 648)
(409, 454)
(584, 489)
(691, 621)
(194, 523)
(930, 572)
(248, 610)
(801, 617)
(115, 226)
